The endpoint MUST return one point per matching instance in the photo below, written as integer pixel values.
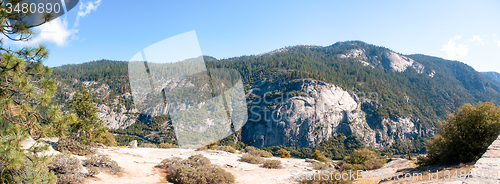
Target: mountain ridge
(419, 87)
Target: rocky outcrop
(389, 60)
(311, 111)
(400, 63)
(115, 120)
(114, 115)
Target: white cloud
(55, 31)
(455, 50)
(85, 9)
(477, 38)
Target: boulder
(133, 144)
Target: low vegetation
(319, 156)
(252, 159)
(74, 145)
(362, 159)
(147, 145)
(103, 162)
(272, 164)
(166, 145)
(320, 166)
(67, 168)
(214, 146)
(195, 169)
(257, 152)
(336, 147)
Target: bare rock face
(400, 63)
(115, 120)
(133, 144)
(316, 112)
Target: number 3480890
(33, 8)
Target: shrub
(249, 149)
(464, 137)
(284, 153)
(102, 161)
(147, 145)
(362, 159)
(67, 168)
(170, 165)
(227, 149)
(195, 169)
(203, 174)
(196, 161)
(317, 155)
(261, 153)
(360, 156)
(72, 144)
(320, 166)
(106, 138)
(251, 159)
(374, 163)
(212, 145)
(272, 164)
(167, 145)
(92, 170)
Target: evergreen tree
(89, 127)
(465, 136)
(24, 92)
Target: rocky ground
(138, 167)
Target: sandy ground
(138, 166)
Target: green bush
(196, 161)
(22, 166)
(360, 156)
(261, 153)
(272, 164)
(362, 159)
(320, 166)
(249, 149)
(465, 137)
(67, 168)
(74, 145)
(195, 169)
(102, 161)
(147, 145)
(227, 149)
(317, 155)
(203, 174)
(92, 170)
(252, 159)
(170, 165)
(167, 145)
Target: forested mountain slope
(351, 87)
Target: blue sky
(102, 29)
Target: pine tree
(89, 128)
(24, 92)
